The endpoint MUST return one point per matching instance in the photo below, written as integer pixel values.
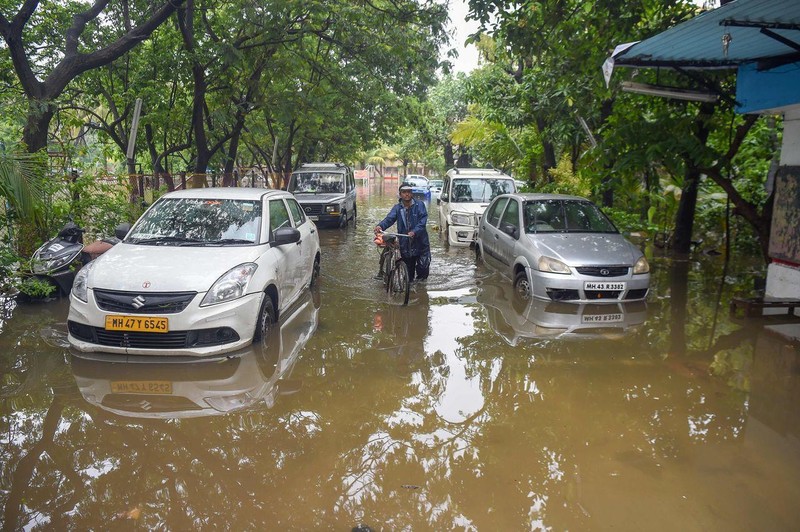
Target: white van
(466, 192)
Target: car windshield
(194, 222)
(316, 183)
(565, 216)
(480, 190)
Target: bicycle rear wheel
(399, 285)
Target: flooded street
(463, 410)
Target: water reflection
(514, 319)
(144, 387)
(433, 416)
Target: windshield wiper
(223, 241)
(161, 240)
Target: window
(297, 213)
(278, 216)
(493, 215)
(511, 216)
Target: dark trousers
(416, 270)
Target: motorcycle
(58, 260)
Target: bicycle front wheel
(387, 257)
(399, 286)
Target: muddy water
(460, 411)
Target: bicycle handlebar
(393, 234)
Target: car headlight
(461, 219)
(550, 265)
(641, 266)
(80, 286)
(331, 208)
(230, 286)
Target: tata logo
(307, 209)
(605, 272)
(146, 284)
(138, 302)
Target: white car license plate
(601, 318)
(314, 218)
(591, 285)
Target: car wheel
(266, 320)
(343, 220)
(314, 274)
(522, 286)
(477, 252)
(355, 215)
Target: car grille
(639, 293)
(170, 340)
(147, 340)
(312, 209)
(149, 404)
(602, 294)
(603, 271)
(148, 303)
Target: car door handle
(313, 231)
(299, 242)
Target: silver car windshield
(480, 190)
(198, 222)
(565, 216)
(316, 183)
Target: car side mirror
(122, 230)
(510, 230)
(285, 235)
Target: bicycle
(393, 268)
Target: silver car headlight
(230, 286)
(331, 209)
(80, 286)
(641, 266)
(550, 265)
(461, 219)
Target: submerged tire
(399, 285)
(522, 286)
(266, 320)
(314, 274)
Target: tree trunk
(37, 125)
(449, 159)
(684, 218)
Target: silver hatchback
(561, 248)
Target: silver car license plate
(592, 285)
(601, 318)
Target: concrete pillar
(783, 280)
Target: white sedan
(561, 248)
(202, 272)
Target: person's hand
(411, 234)
(378, 229)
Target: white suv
(326, 191)
(202, 272)
(466, 192)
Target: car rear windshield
(479, 190)
(565, 216)
(193, 221)
(316, 183)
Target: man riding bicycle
(411, 217)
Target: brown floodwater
(462, 410)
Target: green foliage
(628, 222)
(36, 288)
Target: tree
(60, 62)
